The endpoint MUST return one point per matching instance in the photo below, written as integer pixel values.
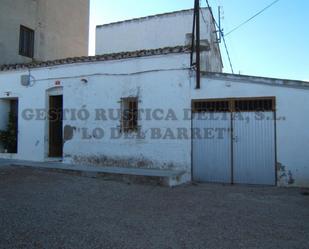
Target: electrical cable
(222, 34)
(111, 74)
(251, 18)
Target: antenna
(220, 31)
(219, 13)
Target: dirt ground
(51, 210)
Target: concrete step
(130, 175)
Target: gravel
(52, 210)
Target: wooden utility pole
(196, 44)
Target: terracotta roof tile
(104, 57)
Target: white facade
(160, 82)
(159, 31)
(108, 82)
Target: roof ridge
(95, 58)
(146, 17)
(258, 79)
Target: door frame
(232, 110)
(54, 91)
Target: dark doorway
(55, 126)
(9, 133)
(13, 124)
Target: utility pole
(196, 44)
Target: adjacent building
(41, 30)
(160, 31)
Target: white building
(223, 139)
(163, 30)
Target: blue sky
(275, 44)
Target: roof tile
(103, 57)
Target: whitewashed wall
(166, 30)
(292, 134)
(159, 82)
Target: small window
(129, 117)
(26, 42)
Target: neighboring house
(40, 30)
(141, 109)
(160, 31)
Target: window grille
(129, 114)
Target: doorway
(55, 126)
(9, 125)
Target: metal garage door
(212, 152)
(254, 148)
(245, 153)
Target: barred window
(129, 117)
(248, 105)
(234, 105)
(211, 106)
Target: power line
(257, 14)
(222, 34)
(203, 17)
(212, 16)
(228, 54)
(111, 74)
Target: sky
(275, 44)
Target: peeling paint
(291, 179)
(68, 133)
(285, 177)
(123, 162)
